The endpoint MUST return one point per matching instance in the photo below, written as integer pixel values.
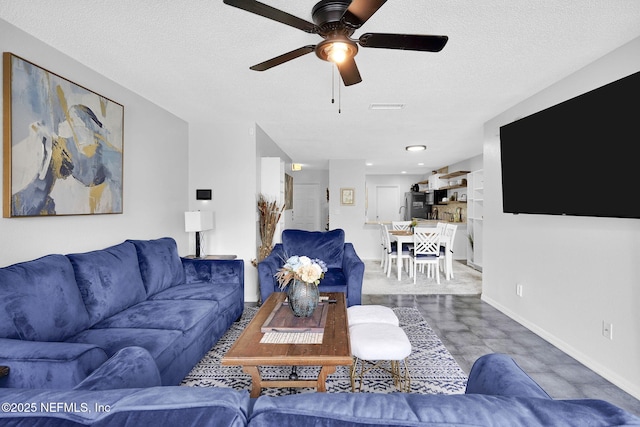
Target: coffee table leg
(322, 377)
(256, 381)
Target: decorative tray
(282, 319)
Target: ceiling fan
(335, 21)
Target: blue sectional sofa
(63, 316)
(498, 393)
(345, 269)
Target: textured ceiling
(193, 57)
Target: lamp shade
(198, 221)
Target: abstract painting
(63, 145)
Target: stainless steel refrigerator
(415, 205)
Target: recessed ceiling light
(403, 172)
(369, 164)
(420, 164)
(380, 106)
(415, 147)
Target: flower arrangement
(301, 268)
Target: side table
(213, 257)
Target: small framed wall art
(63, 145)
(288, 191)
(347, 196)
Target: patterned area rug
(466, 281)
(433, 370)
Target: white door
(387, 206)
(306, 207)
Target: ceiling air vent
(387, 106)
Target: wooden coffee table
(335, 349)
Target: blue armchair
(345, 270)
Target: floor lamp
(198, 221)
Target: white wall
(155, 160)
(351, 218)
(222, 156)
(576, 271)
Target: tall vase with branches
(270, 212)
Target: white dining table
(404, 237)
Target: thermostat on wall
(203, 194)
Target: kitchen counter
(433, 222)
(427, 222)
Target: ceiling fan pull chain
(333, 83)
(339, 98)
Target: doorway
(306, 207)
(387, 203)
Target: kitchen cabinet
(475, 217)
(440, 181)
(435, 183)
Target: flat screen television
(577, 157)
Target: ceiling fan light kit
(336, 21)
(336, 50)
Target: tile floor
(469, 328)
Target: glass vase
(303, 298)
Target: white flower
(301, 268)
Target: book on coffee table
(282, 319)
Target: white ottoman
(358, 314)
(376, 346)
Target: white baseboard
(596, 367)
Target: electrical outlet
(519, 289)
(607, 329)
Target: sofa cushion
(131, 367)
(164, 345)
(404, 409)
(226, 294)
(40, 301)
(499, 374)
(327, 246)
(154, 406)
(334, 277)
(38, 364)
(160, 264)
(109, 280)
(191, 317)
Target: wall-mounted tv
(577, 157)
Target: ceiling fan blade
(349, 72)
(359, 12)
(403, 41)
(283, 58)
(273, 13)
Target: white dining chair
(446, 250)
(383, 245)
(403, 226)
(400, 225)
(426, 251)
(393, 254)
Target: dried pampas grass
(270, 212)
